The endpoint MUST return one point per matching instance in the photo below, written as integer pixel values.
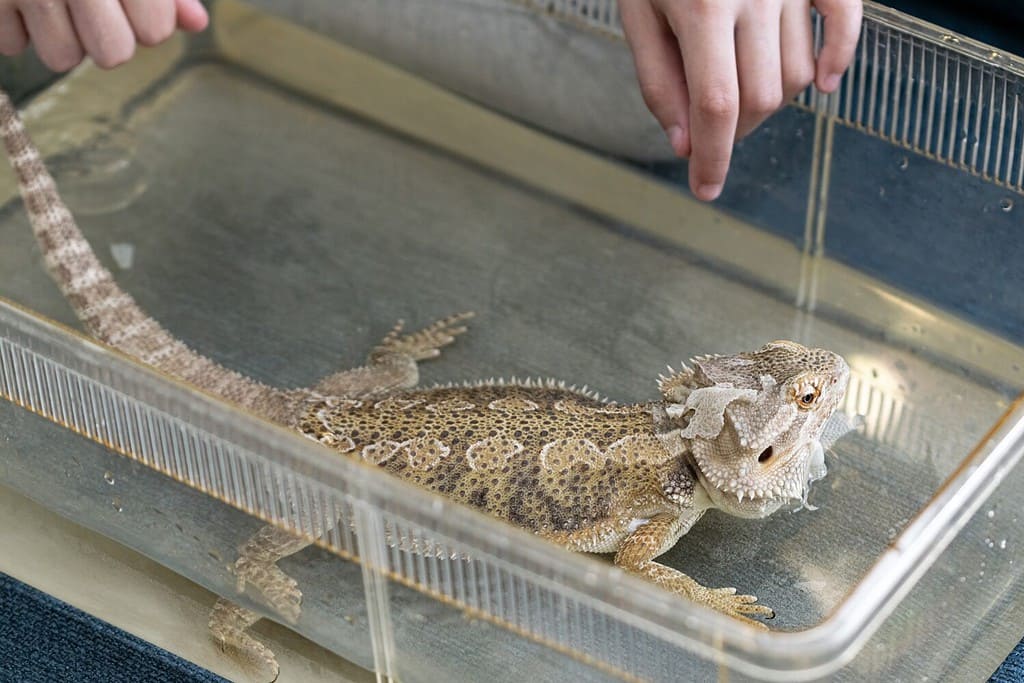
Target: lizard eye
(807, 399)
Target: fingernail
(709, 191)
(675, 138)
(832, 82)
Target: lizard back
(547, 458)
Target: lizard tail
(108, 313)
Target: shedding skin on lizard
(740, 432)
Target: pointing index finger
(709, 58)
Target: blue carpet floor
(1012, 670)
(45, 640)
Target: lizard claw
(740, 607)
(425, 343)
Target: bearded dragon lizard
(741, 432)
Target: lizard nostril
(766, 455)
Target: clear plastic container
(278, 199)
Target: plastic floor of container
(233, 182)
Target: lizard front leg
(637, 552)
(391, 365)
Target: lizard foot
(228, 624)
(726, 601)
(280, 591)
(425, 343)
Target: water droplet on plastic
(990, 514)
(101, 179)
(124, 254)
(116, 503)
(892, 533)
(774, 161)
(990, 543)
(1002, 544)
(1006, 204)
(963, 579)
(904, 163)
(109, 478)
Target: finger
(709, 58)
(798, 57)
(104, 31)
(759, 67)
(659, 70)
(842, 29)
(192, 15)
(13, 36)
(51, 31)
(151, 22)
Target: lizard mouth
(766, 483)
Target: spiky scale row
(527, 383)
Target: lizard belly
(604, 537)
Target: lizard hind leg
(422, 344)
(229, 624)
(257, 566)
(637, 553)
(392, 364)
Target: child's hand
(712, 70)
(65, 31)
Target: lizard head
(752, 423)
